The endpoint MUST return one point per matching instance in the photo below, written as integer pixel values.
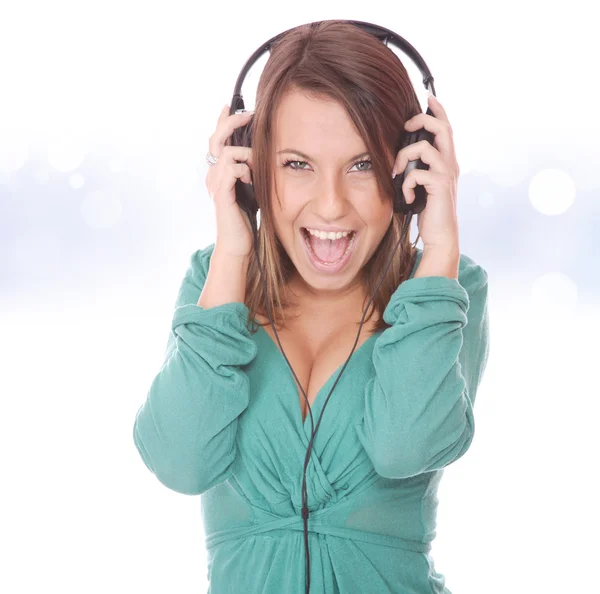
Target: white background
(105, 115)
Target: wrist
(225, 281)
(223, 256)
(439, 261)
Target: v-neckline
(317, 399)
(333, 376)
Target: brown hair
(336, 60)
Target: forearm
(225, 282)
(439, 262)
(425, 420)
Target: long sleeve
(418, 411)
(185, 430)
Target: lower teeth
(337, 261)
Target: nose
(331, 200)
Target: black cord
(305, 510)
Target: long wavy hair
(334, 60)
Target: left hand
(437, 222)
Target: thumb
(224, 113)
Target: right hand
(234, 232)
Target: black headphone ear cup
(244, 193)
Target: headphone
(244, 193)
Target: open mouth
(329, 252)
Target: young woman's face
(329, 183)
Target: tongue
(329, 250)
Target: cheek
(376, 213)
(285, 219)
(379, 222)
(291, 208)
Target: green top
(222, 419)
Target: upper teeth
(328, 235)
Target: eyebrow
(301, 154)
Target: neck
(310, 299)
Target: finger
(241, 154)
(223, 114)
(213, 145)
(443, 138)
(225, 129)
(426, 152)
(430, 180)
(242, 171)
(437, 108)
(236, 155)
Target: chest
(316, 352)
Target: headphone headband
(384, 35)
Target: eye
(288, 163)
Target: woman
(224, 417)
